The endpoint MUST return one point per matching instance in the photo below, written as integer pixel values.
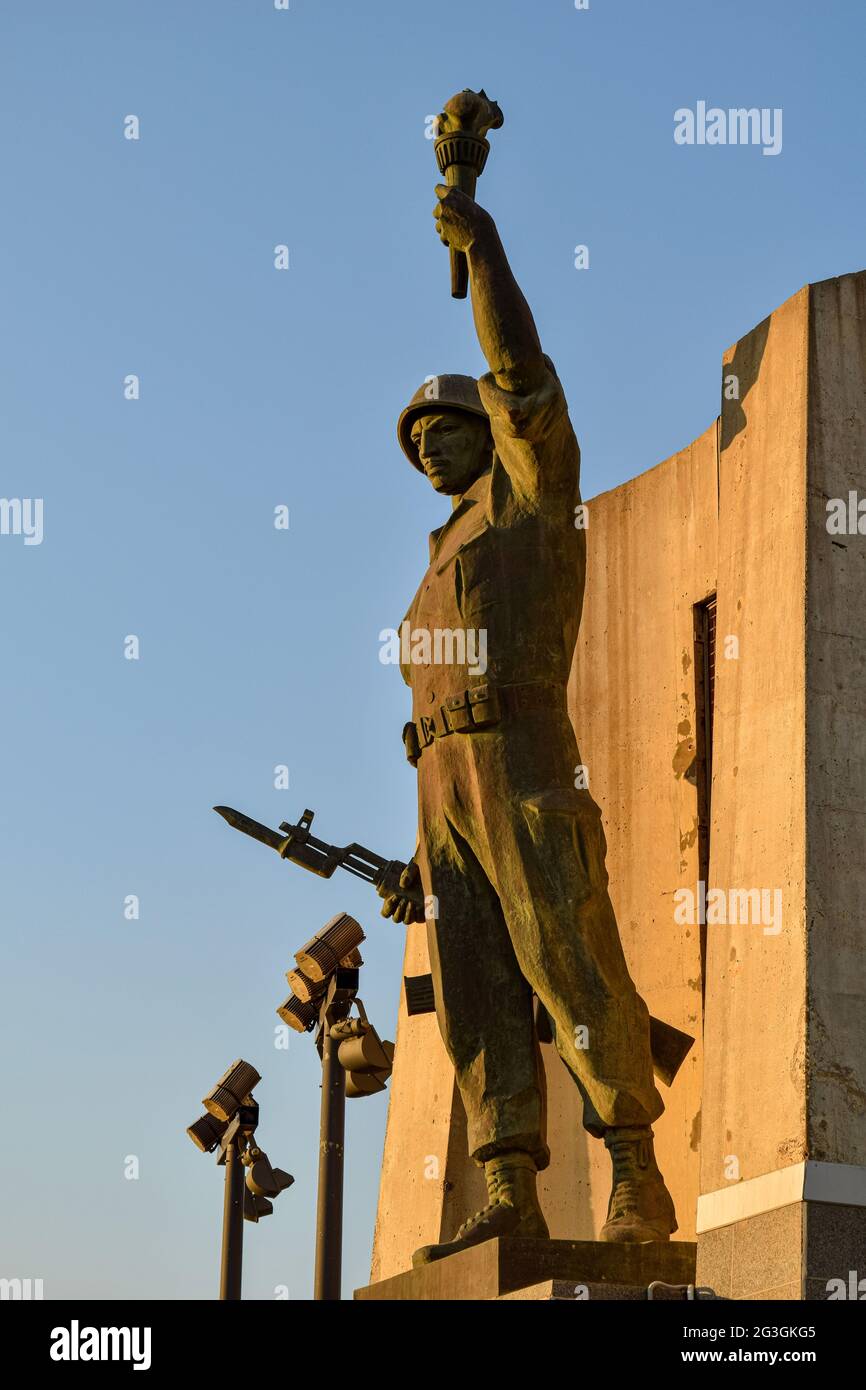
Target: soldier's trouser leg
(548, 867)
(483, 1002)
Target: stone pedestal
(541, 1270)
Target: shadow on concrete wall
(465, 1186)
(745, 365)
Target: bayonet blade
(238, 821)
(300, 847)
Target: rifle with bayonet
(295, 842)
(668, 1045)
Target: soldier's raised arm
(503, 320)
(534, 440)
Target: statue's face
(453, 447)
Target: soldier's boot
(640, 1207)
(513, 1209)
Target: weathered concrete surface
(836, 729)
(652, 557)
(785, 1066)
(754, 1067)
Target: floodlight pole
(329, 1216)
(233, 1216)
(332, 1129)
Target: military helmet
(449, 392)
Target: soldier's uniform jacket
(508, 550)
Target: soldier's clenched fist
(400, 908)
(460, 222)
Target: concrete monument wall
(652, 557)
(783, 1171)
(763, 1142)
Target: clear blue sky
(261, 387)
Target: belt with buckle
(478, 707)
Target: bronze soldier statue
(511, 849)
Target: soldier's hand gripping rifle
(301, 847)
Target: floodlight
(206, 1133)
(231, 1090)
(299, 1015)
(256, 1207)
(366, 1059)
(325, 951)
(309, 990)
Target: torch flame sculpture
(461, 153)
